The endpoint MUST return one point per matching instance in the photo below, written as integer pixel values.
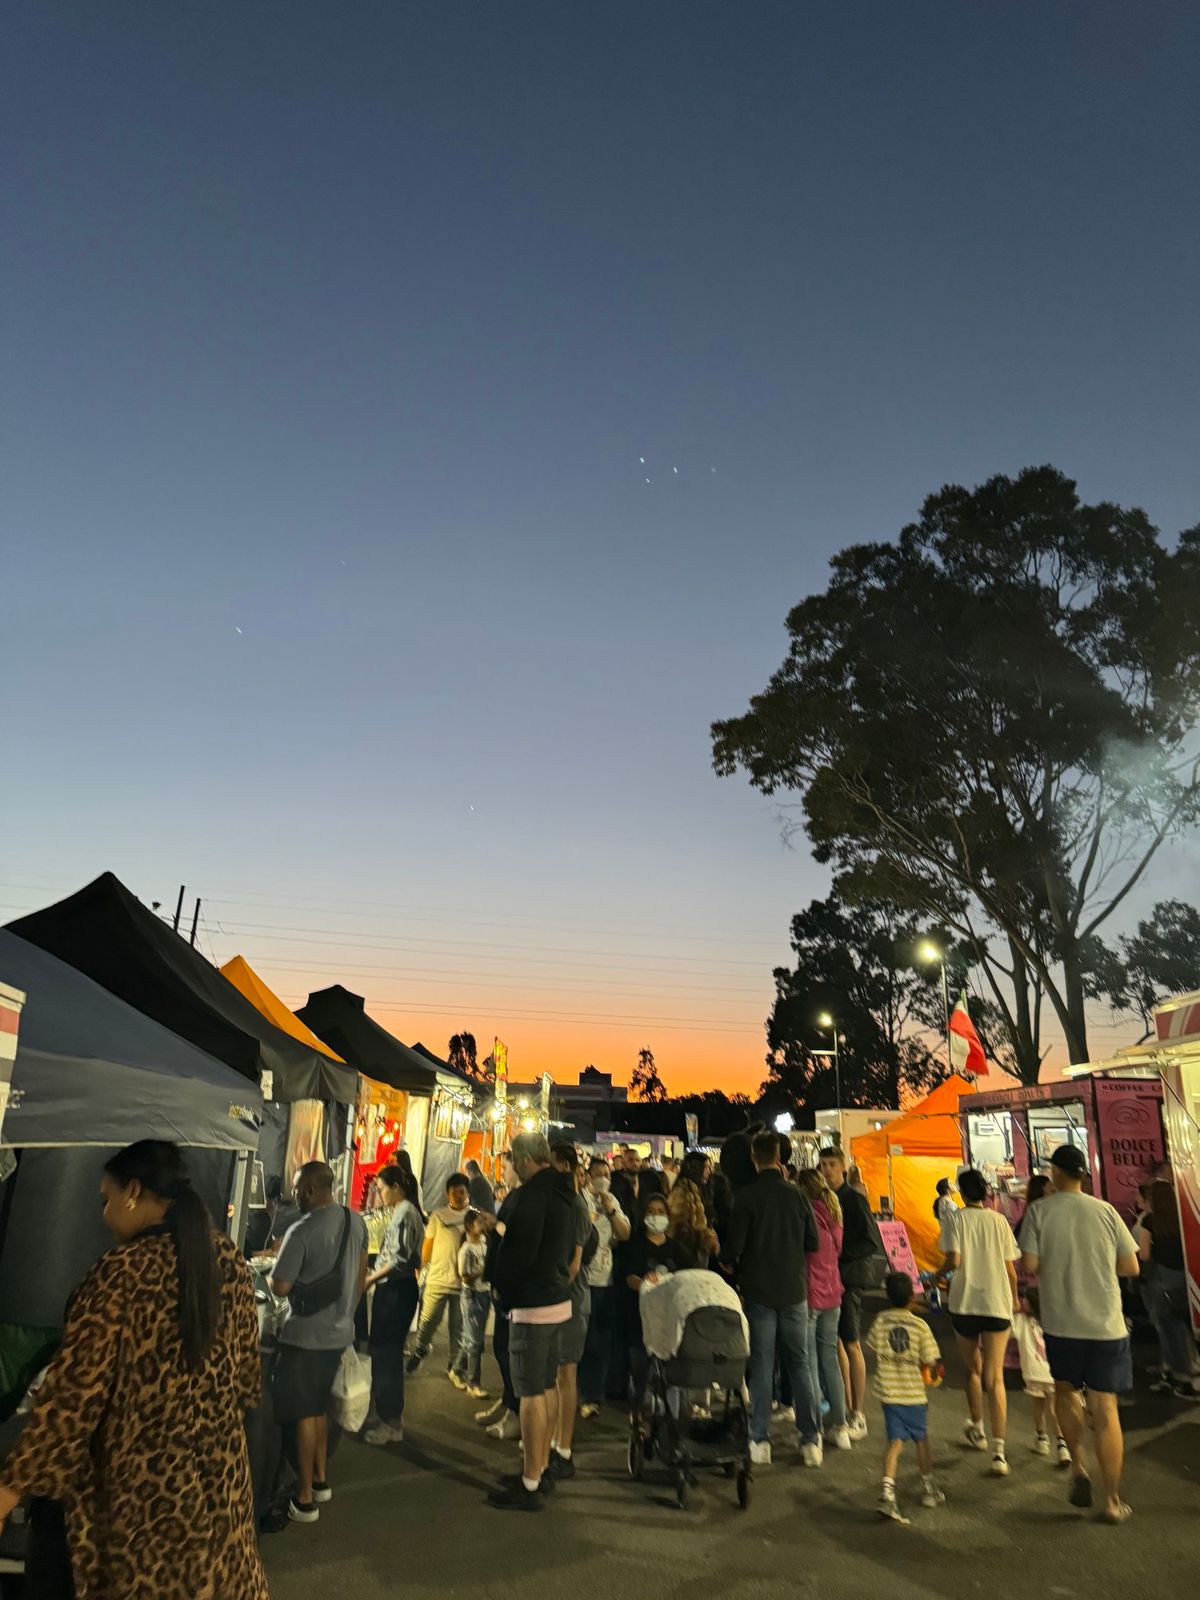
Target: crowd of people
(162, 1338)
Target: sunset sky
(419, 419)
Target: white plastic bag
(350, 1399)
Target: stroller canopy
(667, 1306)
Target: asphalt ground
(412, 1519)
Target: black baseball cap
(1069, 1158)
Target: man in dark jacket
(773, 1233)
(531, 1280)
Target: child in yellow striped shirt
(905, 1350)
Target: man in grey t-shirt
(1078, 1248)
(328, 1238)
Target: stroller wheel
(743, 1488)
(730, 1469)
(635, 1458)
(681, 1490)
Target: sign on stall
(899, 1251)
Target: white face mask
(656, 1223)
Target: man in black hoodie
(531, 1277)
(773, 1234)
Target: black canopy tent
(107, 933)
(340, 1018)
(91, 1075)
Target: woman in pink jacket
(825, 1305)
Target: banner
(500, 1059)
(691, 1129)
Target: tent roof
(91, 1070)
(340, 1019)
(930, 1128)
(244, 978)
(107, 933)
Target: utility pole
(195, 920)
(179, 907)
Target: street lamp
(929, 953)
(826, 1021)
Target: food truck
(1175, 1055)
(1117, 1121)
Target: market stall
(1117, 1122)
(437, 1100)
(901, 1163)
(105, 932)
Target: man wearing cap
(1078, 1247)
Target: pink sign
(1129, 1129)
(899, 1251)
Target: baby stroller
(696, 1338)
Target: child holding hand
(1035, 1372)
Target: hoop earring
(129, 1204)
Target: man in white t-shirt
(1079, 1248)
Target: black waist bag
(306, 1299)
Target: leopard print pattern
(148, 1459)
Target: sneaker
(299, 1513)
(974, 1435)
(476, 1391)
(560, 1467)
(782, 1413)
(1163, 1384)
(509, 1427)
(701, 1414)
(999, 1467)
(512, 1496)
(1185, 1389)
(890, 1511)
(414, 1361)
(491, 1413)
(458, 1381)
(322, 1494)
(382, 1433)
(1041, 1445)
(932, 1497)
(839, 1438)
(1062, 1452)
(813, 1455)
(588, 1411)
(856, 1425)
(760, 1453)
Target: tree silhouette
(462, 1054)
(645, 1083)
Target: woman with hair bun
(138, 1428)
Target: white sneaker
(509, 1427)
(1041, 1445)
(459, 1383)
(760, 1453)
(476, 1392)
(974, 1435)
(889, 1510)
(1063, 1453)
(813, 1454)
(999, 1467)
(856, 1425)
(783, 1413)
(384, 1433)
(932, 1498)
(839, 1438)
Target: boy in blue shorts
(905, 1351)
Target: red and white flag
(966, 1052)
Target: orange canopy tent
(244, 979)
(906, 1158)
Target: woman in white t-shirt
(982, 1252)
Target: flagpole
(946, 1007)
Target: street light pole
(929, 952)
(829, 1023)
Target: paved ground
(412, 1519)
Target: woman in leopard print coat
(139, 1426)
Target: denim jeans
(824, 1371)
(787, 1328)
(475, 1305)
(1164, 1289)
(392, 1311)
(434, 1304)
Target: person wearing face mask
(612, 1227)
(651, 1253)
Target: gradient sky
(333, 340)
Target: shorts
(533, 1356)
(850, 1321)
(971, 1327)
(302, 1382)
(1105, 1365)
(572, 1338)
(906, 1422)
